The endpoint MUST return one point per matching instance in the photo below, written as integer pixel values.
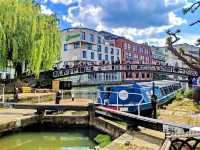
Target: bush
(188, 93)
(179, 95)
(103, 140)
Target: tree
(27, 36)
(192, 61)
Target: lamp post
(153, 101)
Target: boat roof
(162, 83)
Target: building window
(129, 47)
(137, 75)
(112, 58)
(125, 46)
(129, 75)
(112, 51)
(99, 48)
(89, 46)
(91, 38)
(77, 45)
(84, 54)
(92, 55)
(82, 35)
(65, 47)
(117, 51)
(99, 39)
(106, 57)
(99, 57)
(143, 75)
(106, 49)
(148, 75)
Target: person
(194, 81)
(198, 81)
(58, 97)
(190, 82)
(16, 94)
(197, 91)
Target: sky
(138, 20)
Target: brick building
(134, 53)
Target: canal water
(74, 139)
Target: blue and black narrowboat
(137, 96)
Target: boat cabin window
(162, 91)
(171, 89)
(166, 89)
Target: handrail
(121, 67)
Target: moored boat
(137, 97)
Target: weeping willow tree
(27, 36)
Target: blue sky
(138, 20)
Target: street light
(153, 101)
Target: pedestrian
(198, 81)
(197, 91)
(194, 81)
(72, 94)
(16, 94)
(58, 97)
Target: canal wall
(109, 127)
(17, 124)
(15, 119)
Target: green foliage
(188, 93)
(28, 36)
(103, 140)
(180, 95)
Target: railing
(79, 94)
(122, 68)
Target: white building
(81, 46)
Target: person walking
(58, 97)
(16, 94)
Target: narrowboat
(137, 97)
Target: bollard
(72, 96)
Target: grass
(182, 111)
(103, 140)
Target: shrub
(103, 140)
(179, 95)
(188, 93)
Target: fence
(79, 94)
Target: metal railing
(122, 68)
(79, 94)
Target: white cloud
(176, 2)
(46, 10)
(65, 2)
(91, 16)
(174, 20)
